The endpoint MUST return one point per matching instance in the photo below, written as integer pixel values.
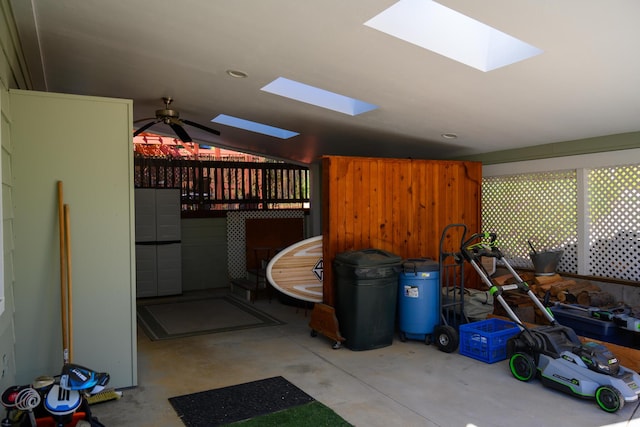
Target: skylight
(318, 97)
(449, 33)
(236, 122)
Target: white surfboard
(296, 271)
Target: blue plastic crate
(486, 340)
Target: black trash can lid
(413, 265)
(368, 258)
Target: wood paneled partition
(398, 205)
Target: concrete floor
(404, 384)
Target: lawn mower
(553, 352)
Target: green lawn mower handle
(485, 245)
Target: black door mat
(239, 402)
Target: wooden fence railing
(209, 186)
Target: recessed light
(449, 135)
(237, 74)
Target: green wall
(86, 143)
(204, 254)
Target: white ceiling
(586, 83)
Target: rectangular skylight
(318, 97)
(236, 122)
(449, 33)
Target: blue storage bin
(486, 340)
(604, 330)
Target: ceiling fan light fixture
(237, 74)
(172, 118)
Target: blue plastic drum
(418, 299)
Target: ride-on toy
(553, 352)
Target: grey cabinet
(158, 242)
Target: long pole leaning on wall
(65, 277)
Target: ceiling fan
(172, 118)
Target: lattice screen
(538, 207)
(614, 217)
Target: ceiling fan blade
(143, 128)
(199, 126)
(179, 130)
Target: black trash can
(366, 297)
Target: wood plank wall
(398, 205)
(266, 236)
